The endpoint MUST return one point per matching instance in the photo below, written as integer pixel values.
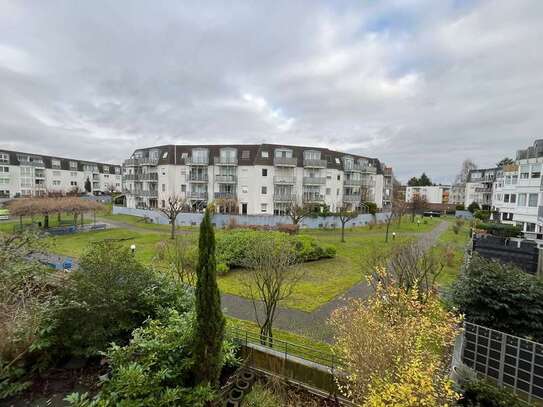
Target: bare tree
(388, 221)
(467, 166)
(400, 208)
(345, 214)
(181, 257)
(174, 206)
(111, 188)
(418, 204)
(272, 274)
(298, 212)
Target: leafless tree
(388, 221)
(467, 166)
(174, 206)
(400, 208)
(181, 257)
(111, 188)
(298, 212)
(345, 214)
(418, 204)
(271, 276)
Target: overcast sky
(420, 85)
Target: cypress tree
(209, 318)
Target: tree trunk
(172, 231)
(46, 221)
(386, 235)
(81, 218)
(342, 232)
(59, 218)
(75, 219)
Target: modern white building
(517, 192)
(458, 194)
(479, 187)
(25, 174)
(254, 178)
(433, 194)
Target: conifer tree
(209, 318)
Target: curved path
(314, 324)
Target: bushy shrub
(156, 367)
(460, 207)
(500, 296)
(289, 228)
(222, 269)
(474, 206)
(109, 296)
(500, 229)
(232, 246)
(480, 392)
(482, 215)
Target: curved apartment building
(259, 178)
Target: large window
(532, 200)
(312, 155)
(4, 158)
(536, 171)
(524, 172)
(55, 163)
(521, 200)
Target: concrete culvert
(243, 385)
(235, 395)
(248, 376)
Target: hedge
(500, 229)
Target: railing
(31, 163)
(39, 175)
(483, 189)
(284, 197)
(352, 198)
(280, 179)
(141, 161)
(198, 195)
(226, 178)
(511, 361)
(315, 163)
(285, 161)
(143, 192)
(197, 160)
(352, 182)
(224, 195)
(308, 353)
(198, 177)
(314, 180)
(225, 160)
(312, 197)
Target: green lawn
(456, 242)
(140, 223)
(8, 226)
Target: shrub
(482, 215)
(500, 229)
(222, 269)
(480, 392)
(500, 296)
(460, 207)
(288, 228)
(261, 396)
(474, 206)
(107, 298)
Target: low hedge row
(500, 229)
(232, 246)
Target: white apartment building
(517, 192)
(25, 174)
(259, 178)
(458, 194)
(479, 187)
(433, 194)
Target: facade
(479, 187)
(252, 179)
(458, 194)
(433, 194)
(24, 174)
(517, 192)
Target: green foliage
(108, 297)
(222, 268)
(500, 296)
(482, 393)
(460, 207)
(474, 206)
(500, 229)
(210, 321)
(423, 181)
(156, 367)
(12, 380)
(261, 396)
(233, 245)
(88, 186)
(371, 207)
(482, 215)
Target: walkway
(314, 324)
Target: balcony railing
(312, 197)
(140, 161)
(280, 179)
(352, 182)
(198, 177)
(198, 195)
(150, 176)
(352, 198)
(284, 197)
(34, 163)
(285, 161)
(226, 178)
(483, 189)
(39, 175)
(225, 195)
(312, 163)
(152, 193)
(225, 161)
(197, 160)
(314, 180)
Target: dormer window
(264, 154)
(312, 155)
(4, 158)
(55, 163)
(283, 153)
(245, 154)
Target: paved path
(314, 324)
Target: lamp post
(393, 235)
(133, 248)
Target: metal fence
(511, 361)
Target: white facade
(23, 174)
(258, 179)
(479, 187)
(434, 194)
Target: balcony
(285, 180)
(131, 162)
(39, 174)
(225, 195)
(198, 177)
(34, 163)
(150, 176)
(314, 180)
(226, 178)
(484, 190)
(312, 163)
(285, 161)
(225, 160)
(352, 198)
(312, 197)
(284, 197)
(197, 161)
(200, 196)
(151, 193)
(352, 182)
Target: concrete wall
(187, 219)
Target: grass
(323, 280)
(457, 242)
(140, 223)
(7, 226)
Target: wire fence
(511, 361)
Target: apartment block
(256, 178)
(433, 194)
(25, 174)
(479, 187)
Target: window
(515, 179)
(312, 155)
(4, 158)
(183, 188)
(530, 227)
(4, 181)
(521, 200)
(264, 172)
(264, 190)
(56, 183)
(244, 189)
(513, 198)
(245, 154)
(506, 198)
(106, 169)
(165, 154)
(524, 172)
(337, 192)
(283, 153)
(163, 187)
(328, 191)
(55, 163)
(73, 165)
(264, 154)
(339, 177)
(73, 174)
(73, 183)
(184, 155)
(106, 176)
(4, 169)
(56, 173)
(507, 216)
(508, 180)
(263, 207)
(163, 203)
(536, 171)
(532, 200)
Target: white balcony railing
(285, 161)
(314, 180)
(312, 163)
(226, 178)
(225, 161)
(225, 195)
(280, 179)
(311, 197)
